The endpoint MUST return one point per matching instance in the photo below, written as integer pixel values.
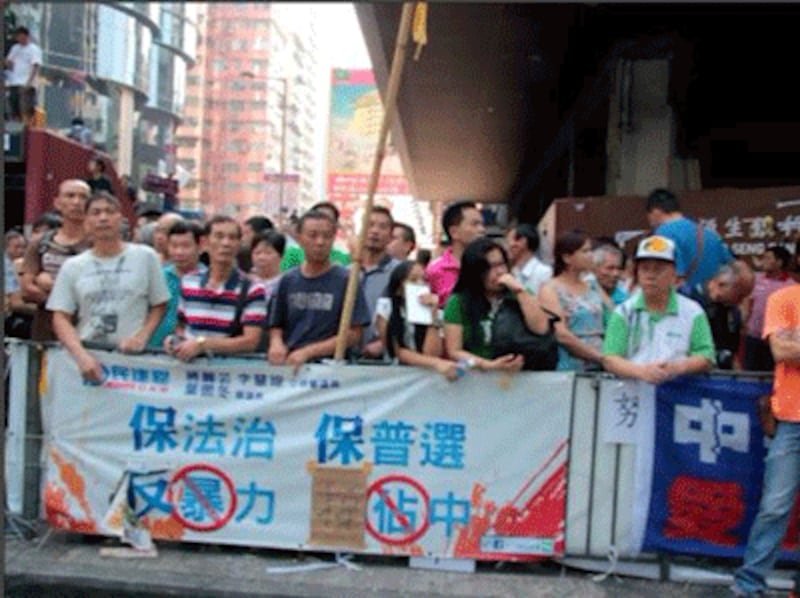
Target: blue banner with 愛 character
(708, 467)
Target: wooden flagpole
(388, 116)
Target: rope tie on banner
(419, 32)
(341, 560)
(613, 558)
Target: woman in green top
(483, 282)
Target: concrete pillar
(641, 129)
(126, 131)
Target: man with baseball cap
(657, 334)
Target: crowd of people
(679, 303)
(222, 287)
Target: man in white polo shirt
(657, 334)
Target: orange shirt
(783, 313)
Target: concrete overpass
(523, 103)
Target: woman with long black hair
(484, 282)
(579, 303)
(411, 344)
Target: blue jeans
(781, 482)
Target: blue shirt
(684, 233)
(618, 295)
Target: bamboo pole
(391, 104)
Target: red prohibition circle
(217, 521)
(376, 487)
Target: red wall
(50, 159)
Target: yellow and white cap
(656, 248)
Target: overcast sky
(340, 35)
(340, 45)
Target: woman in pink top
(775, 263)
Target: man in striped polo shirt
(657, 334)
(221, 310)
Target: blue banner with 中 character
(708, 467)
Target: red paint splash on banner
(406, 550)
(541, 516)
(164, 528)
(57, 509)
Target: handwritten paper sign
(338, 503)
(626, 407)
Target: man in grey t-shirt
(307, 305)
(376, 268)
(115, 291)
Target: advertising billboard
(355, 121)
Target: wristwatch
(201, 342)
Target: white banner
(373, 459)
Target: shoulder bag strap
(236, 326)
(45, 241)
(699, 235)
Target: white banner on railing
(373, 459)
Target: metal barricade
(23, 466)
(600, 499)
(600, 487)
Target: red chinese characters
(705, 510)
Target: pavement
(68, 565)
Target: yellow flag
(420, 27)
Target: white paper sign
(625, 406)
(416, 312)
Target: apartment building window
(230, 167)
(236, 105)
(254, 167)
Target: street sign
(13, 145)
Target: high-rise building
(118, 65)
(250, 106)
